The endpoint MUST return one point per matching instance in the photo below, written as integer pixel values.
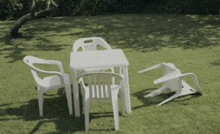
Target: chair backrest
(90, 44)
(99, 84)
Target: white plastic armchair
(90, 44)
(99, 87)
(173, 80)
(55, 80)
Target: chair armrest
(82, 82)
(55, 62)
(82, 85)
(47, 72)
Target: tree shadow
(13, 48)
(55, 111)
(216, 62)
(153, 32)
(15, 53)
(142, 32)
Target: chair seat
(100, 87)
(103, 95)
(54, 81)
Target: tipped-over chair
(99, 87)
(54, 80)
(173, 80)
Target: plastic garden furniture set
(91, 60)
(103, 76)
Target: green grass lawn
(191, 42)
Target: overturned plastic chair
(173, 80)
(55, 80)
(99, 87)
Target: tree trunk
(30, 16)
(19, 23)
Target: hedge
(13, 9)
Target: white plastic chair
(90, 44)
(99, 87)
(173, 80)
(55, 80)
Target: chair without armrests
(100, 88)
(91, 44)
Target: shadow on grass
(15, 51)
(216, 63)
(55, 112)
(150, 101)
(159, 98)
(145, 32)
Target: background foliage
(13, 9)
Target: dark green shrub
(13, 9)
(192, 6)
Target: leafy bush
(13, 9)
(192, 6)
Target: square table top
(97, 59)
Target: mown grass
(191, 42)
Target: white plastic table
(99, 59)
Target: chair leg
(179, 90)
(69, 98)
(115, 110)
(87, 105)
(40, 102)
(169, 99)
(123, 101)
(157, 92)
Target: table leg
(127, 90)
(76, 94)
